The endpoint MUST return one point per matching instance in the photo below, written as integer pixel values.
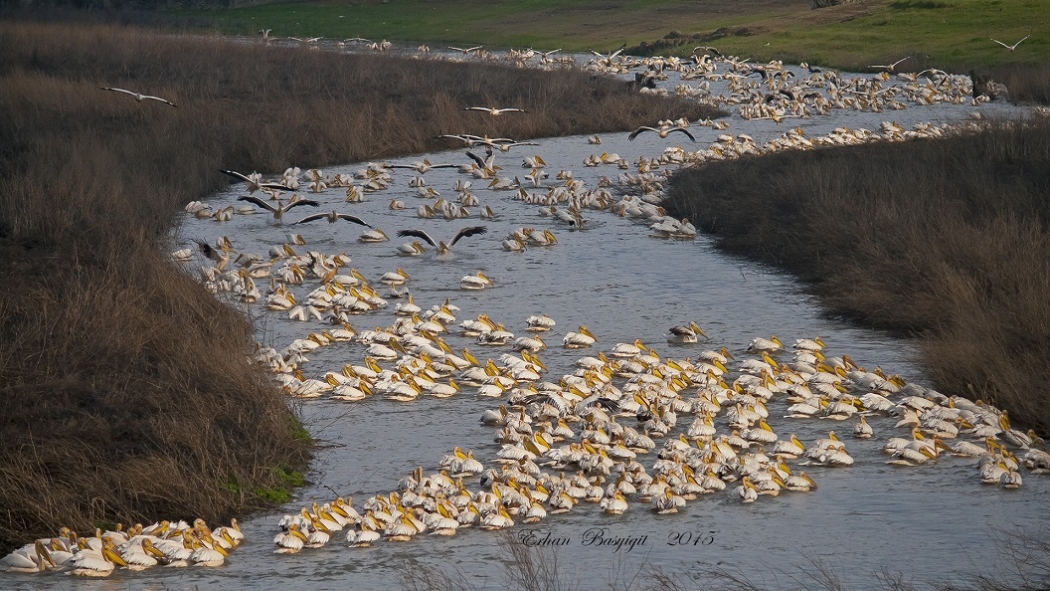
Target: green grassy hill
(940, 32)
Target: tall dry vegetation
(127, 392)
(947, 239)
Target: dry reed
(944, 239)
(128, 392)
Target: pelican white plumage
(684, 334)
(762, 345)
(1009, 48)
(892, 67)
(411, 249)
(476, 282)
(279, 210)
(494, 111)
(628, 350)
(663, 132)
(398, 277)
(441, 247)
(539, 323)
(579, 340)
(141, 97)
(333, 217)
(254, 182)
(376, 235)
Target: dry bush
(947, 240)
(129, 395)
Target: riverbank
(129, 398)
(945, 240)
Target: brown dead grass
(948, 240)
(128, 394)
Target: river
(933, 523)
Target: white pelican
(204, 555)
(443, 248)
(624, 350)
(411, 249)
(140, 97)
(662, 132)
(862, 430)
(333, 217)
(475, 282)
(761, 345)
(893, 66)
(398, 277)
(363, 537)
(280, 208)
(254, 182)
(579, 340)
(789, 448)
(685, 334)
(594, 139)
(494, 111)
(96, 563)
(31, 558)
(747, 491)
(800, 483)
(540, 323)
(529, 344)
(1010, 48)
(376, 235)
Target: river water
(933, 523)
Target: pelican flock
(608, 423)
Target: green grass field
(935, 32)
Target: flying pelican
(254, 181)
(441, 247)
(467, 49)
(662, 132)
(1011, 48)
(707, 49)
(891, 67)
(495, 111)
(488, 164)
(139, 96)
(421, 167)
(332, 217)
(278, 211)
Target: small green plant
(299, 432)
(232, 485)
(275, 496)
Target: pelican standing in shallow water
(441, 247)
